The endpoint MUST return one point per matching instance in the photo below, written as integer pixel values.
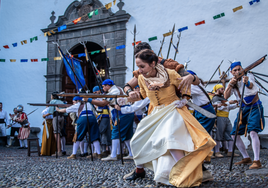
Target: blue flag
(24, 60)
(62, 28)
(82, 55)
(15, 44)
(76, 67)
(120, 47)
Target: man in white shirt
(4, 120)
(252, 118)
(15, 126)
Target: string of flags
(108, 6)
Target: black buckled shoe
(133, 175)
(82, 155)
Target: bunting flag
(109, 5)
(200, 23)
(57, 58)
(237, 8)
(34, 60)
(23, 42)
(23, 60)
(12, 60)
(136, 43)
(6, 47)
(219, 16)
(45, 34)
(44, 59)
(2, 60)
(152, 38)
(96, 11)
(103, 50)
(114, 1)
(183, 28)
(254, 1)
(76, 20)
(95, 52)
(167, 34)
(15, 44)
(53, 32)
(48, 33)
(90, 14)
(120, 47)
(82, 55)
(34, 38)
(62, 28)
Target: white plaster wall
(240, 36)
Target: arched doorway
(69, 87)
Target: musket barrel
(90, 95)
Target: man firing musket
(250, 116)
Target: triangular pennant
(15, 44)
(6, 47)
(12, 60)
(53, 32)
(96, 11)
(76, 20)
(114, 1)
(136, 43)
(90, 14)
(48, 33)
(109, 5)
(62, 28)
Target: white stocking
(85, 147)
(226, 144)
(241, 146)
(127, 142)
(97, 146)
(75, 147)
(255, 145)
(63, 143)
(217, 147)
(115, 145)
(25, 143)
(230, 146)
(21, 143)
(81, 147)
(176, 154)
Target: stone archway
(111, 25)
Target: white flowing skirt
(162, 130)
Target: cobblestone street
(19, 170)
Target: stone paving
(19, 170)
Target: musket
(162, 42)
(44, 104)
(119, 134)
(260, 78)
(251, 66)
(179, 38)
(107, 58)
(213, 74)
(134, 33)
(171, 38)
(260, 85)
(90, 95)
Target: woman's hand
(186, 82)
(181, 103)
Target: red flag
(34, 60)
(76, 20)
(136, 43)
(200, 23)
(6, 46)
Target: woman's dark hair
(142, 46)
(147, 56)
(54, 95)
(48, 102)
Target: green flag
(152, 38)
(90, 14)
(2, 60)
(44, 59)
(95, 52)
(96, 12)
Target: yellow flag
(57, 58)
(109, 5)
(237, 8)
(52, 31)
(103, 50)
(23, 42)
(114, 2)
(167, 34)
(48, 33)
(45, 34)
(12, 60)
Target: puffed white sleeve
(138, 105)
